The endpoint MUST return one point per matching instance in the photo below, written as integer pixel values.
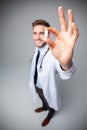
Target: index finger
(53, 30)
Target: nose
(38, 36)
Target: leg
(40, 94)
(49, 117)
(45, 107)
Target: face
(38, 35)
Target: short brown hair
(40, 22)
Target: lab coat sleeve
(65, 74)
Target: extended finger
(75, 31)
(70, 18)
(62, 19)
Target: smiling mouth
(39, 41)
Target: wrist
(66, 67)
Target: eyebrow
(39, 32)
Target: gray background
(16, 49)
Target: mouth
(39, 41)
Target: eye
(34, 33)
(41, 33)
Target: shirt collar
(43, 49)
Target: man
(54, 57)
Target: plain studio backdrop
(16, 49)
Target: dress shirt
(43, 50)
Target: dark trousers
(44, 102)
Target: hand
(63, 46)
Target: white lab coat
(48, 78)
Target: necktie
(36, 74)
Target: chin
(40, 45)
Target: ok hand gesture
(63, 46)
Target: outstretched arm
(63, 46)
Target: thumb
(50, 42)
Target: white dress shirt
(43, 51)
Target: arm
(63, 46)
